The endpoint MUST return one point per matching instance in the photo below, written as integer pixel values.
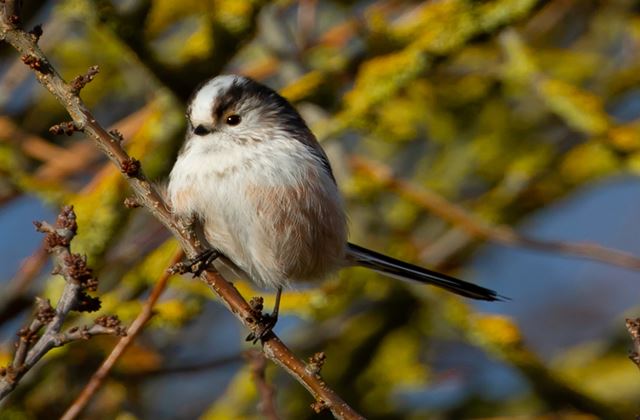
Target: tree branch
(150, 198)
(258, 365)
(79, 278)
(97, 379)
(480, 229)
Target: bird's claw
(265, 327)
(267, 321)
(197, 264)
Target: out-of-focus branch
(306, 21)
(197, 367)
(32, 145)
(258, 364)
(480, 229)
(13, 299)
(85, 155)
(97, 379)
(633, 326)
(148, 196)
(79, 278)
(61, 162)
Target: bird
(255, 180)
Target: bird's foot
(197, 264)
(265, 327)
(266, 322)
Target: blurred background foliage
(506, 107)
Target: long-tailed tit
(255, 177)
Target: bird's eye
(200, 131)
(233, 119)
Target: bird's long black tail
(399, 269)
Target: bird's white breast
(230, 187)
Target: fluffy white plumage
(263, 197)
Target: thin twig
(258, 365)
(59, 162)
(78, 279)
(480, 229)
(97, 379)
(148, 196)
